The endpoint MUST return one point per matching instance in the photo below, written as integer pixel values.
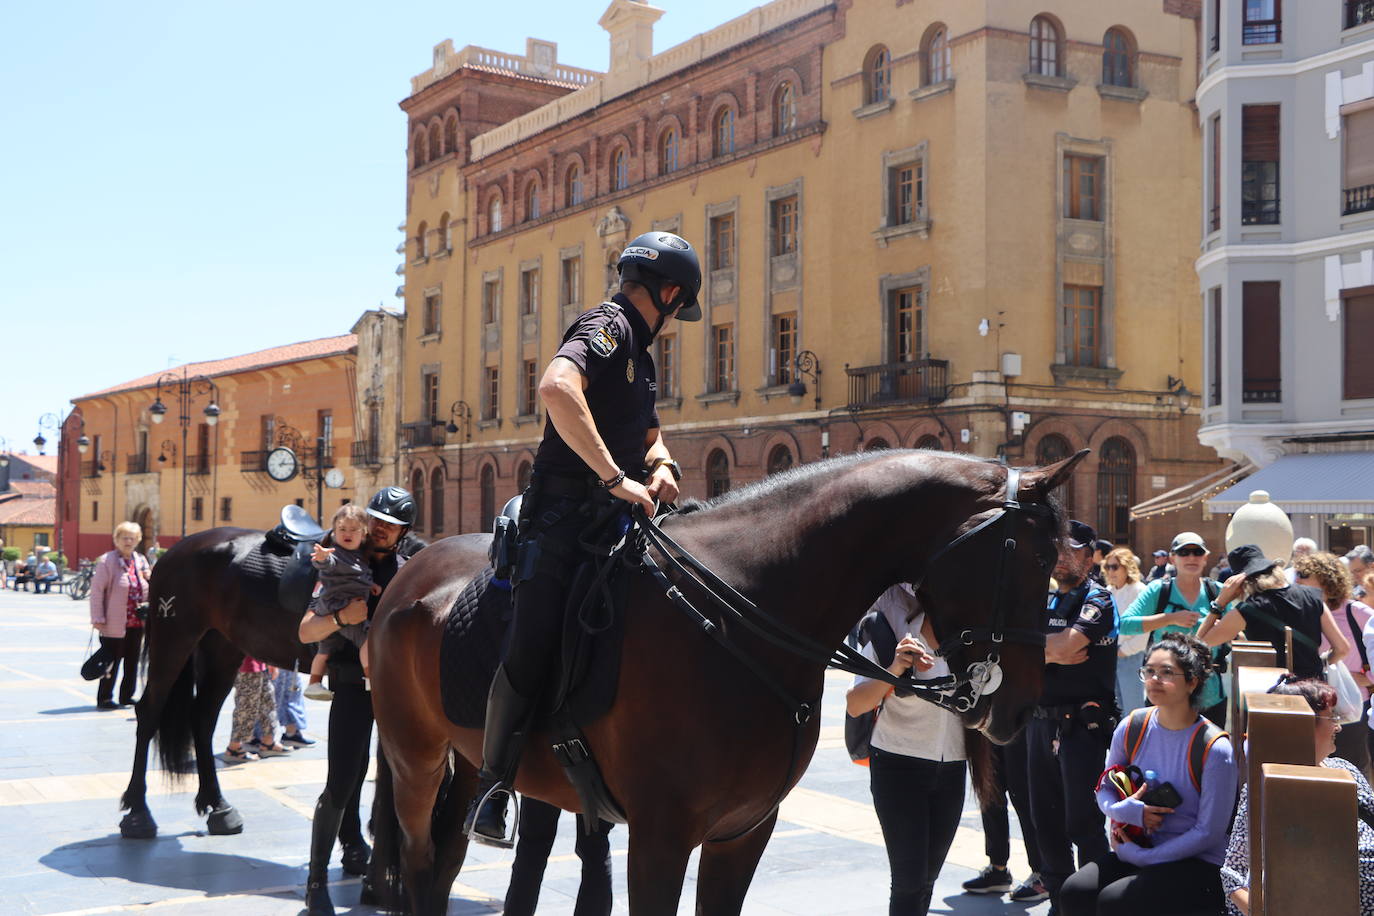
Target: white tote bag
(1349, 701)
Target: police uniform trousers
(1012, 782)
(1064, 761)
(349, 748)
(538, 827)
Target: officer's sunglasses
(1190, 552)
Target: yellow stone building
(966, 226)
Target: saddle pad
(260, 569)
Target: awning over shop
(1323, 484)
(1191, 493)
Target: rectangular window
(529, 389)
(1215, 41)
(1357, 136)
(491, 301)
(431, 317)
(1259, 177)
(1261, 378)
(907, 344)
(667, 365)
(1263, 22)
(1358, 12)
(1083, 187)
(570, 286)
(429, 396)
(784, 348)
(1082, 325)
(95, 510)
(529, 291)
(226, 509)
(908, 193)
(723, 357)
(1358, 372)
(1214, 387)
(1214, 192)
(201, 463)
(723, 242)
(491, 398)
(324, 429)
(197, 508)
(785, 219)
(267, 432)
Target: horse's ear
(1042, 481)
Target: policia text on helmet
(658, 260)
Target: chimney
(631, 27)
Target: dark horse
(205, 613)
(694, 750)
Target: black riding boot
(508, 715)
(324, 830)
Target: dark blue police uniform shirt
(610, 345)
(1090, 610)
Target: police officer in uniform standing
(602, 438)
(1071, 728)
(390, 543)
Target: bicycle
(80, 585)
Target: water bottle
(1151, 780)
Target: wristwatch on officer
(338, 620)
(673, 467)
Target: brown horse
(695, 752)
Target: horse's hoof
(225, 821)
(367, 895)
(355, 857)
(138, 825)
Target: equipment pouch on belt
(526, 560)
(503, 546)
(1097, 720)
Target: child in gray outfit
(345, 577)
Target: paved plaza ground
(63, 765)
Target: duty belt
(556, 485)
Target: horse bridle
(956, 693)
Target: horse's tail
(174, 726)
(384, 869)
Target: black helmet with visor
(655, 258)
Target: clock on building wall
(282, 464)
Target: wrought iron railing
(1260, 211)
(1262, 32)
(311, 454)
(90, 468)
(924, 381)
(136, 463)
(1358, 200)
(253, 462)
(198, 464)
(423, 434)
(1261, 390)
(1358, 12)
(366, 455)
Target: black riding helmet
(393, 504)
(655, 258)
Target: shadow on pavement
(165, 862)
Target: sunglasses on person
(1111, 567)
(1190, 552)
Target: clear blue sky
(188, 181)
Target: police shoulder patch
(603, 343)
(1091, 613)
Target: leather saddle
(296, 534)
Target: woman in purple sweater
(1179, 871)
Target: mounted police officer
(390, 543)
(602, 437)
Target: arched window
(445, 233)
(878, 76)
(1115, 490)
(717, 474)
(1117, 63)
(784, 110)
(417, 490)
(723, 132)
(620, 169)
(436, 501)
(1044, 47)
(522, 476)
(876, 445)
(494, 223)
(417, 149)
(486, 483)
(1052, 448)
(436, 148)
(450, 134)
(667, 151)
(572, 185)
(936, 57)
(532, 200)
(422, 240)
(930, 443)
(779, 459)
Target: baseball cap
(1081, 534)
(1187, 539)
(1160, 553)
(1361, 552)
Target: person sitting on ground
(44, 576)
(1326, 572)
(345, 577)
(1235, 870)
(1174, 868)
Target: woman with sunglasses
(1177, 604)
(1121, 571)
(1235, 871)
(1178, 872)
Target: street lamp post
(187, 388)
(809, 365)
(459, 410)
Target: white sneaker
(317, 691)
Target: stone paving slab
(63, 766)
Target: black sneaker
(1032, 890)
(991, 880)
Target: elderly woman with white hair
(119, 588)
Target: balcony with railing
(1262, 32)
(90, 468)
(1358, 200)
(136, 463)
(198, 464)
(1358, 12)
(1261, 390)
(312, 454)
(921, 381)
(366, 455)
(423, 434)
(253, 462)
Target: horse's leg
(658, 863)
(450, 842)
(727, 869)
(418, 762)
(218, 661)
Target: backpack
(1205, 734)
(1210, 586)
(858, 730)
